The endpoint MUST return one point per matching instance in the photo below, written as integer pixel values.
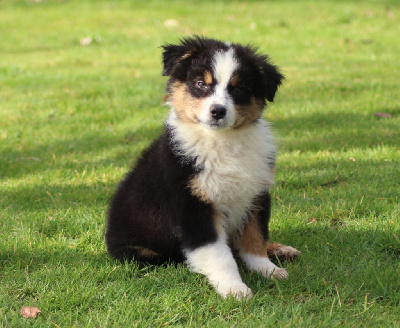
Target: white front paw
(279, 273)
(237, 289)
(264, 266)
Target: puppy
(200, 192)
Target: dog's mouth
(212, 124)
(215, 124)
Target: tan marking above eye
(208, 77)
(235, 80)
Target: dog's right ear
(174, 54)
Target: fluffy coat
(200, 192)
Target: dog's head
(218, 85)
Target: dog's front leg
(253, 247)
(216, 262)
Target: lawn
(81, 96)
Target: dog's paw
(289, 252)
(274, 272)
(279, 273)
(237, 289)
(283, 251)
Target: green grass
(73, 118)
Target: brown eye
(202, 85)
(237, 91)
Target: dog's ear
(272, 78)
(269, 77)
(174, 54)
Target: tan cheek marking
(248, 114)
(252, 240)
(208, 77)
(186, 106)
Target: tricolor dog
(200, 192)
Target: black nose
(218, 112)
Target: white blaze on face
(224, 65)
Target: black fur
(264, 214)
(154, 209)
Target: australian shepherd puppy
(200, 192)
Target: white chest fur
(237, 165)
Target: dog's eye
(202, 85)
(239, 90)
(236, 91)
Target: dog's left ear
(174, 54)
(272, 78)
(171, 56)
